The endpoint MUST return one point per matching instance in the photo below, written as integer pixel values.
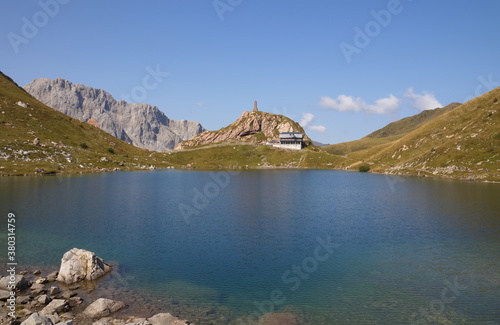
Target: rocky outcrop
(79, 264)
(251, 126)
(142, 125)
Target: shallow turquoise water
(334, 247)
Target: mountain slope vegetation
(389, 133)
(461, 143)
(35, 138)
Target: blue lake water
(332, 247)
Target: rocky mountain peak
(140, 124)
(255, 127)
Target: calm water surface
(333, 247)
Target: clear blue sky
(343, 68)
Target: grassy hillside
(242, 155)
(66, 144)
(390, 133)
(462, 143)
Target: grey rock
(22, 300)
(52, 276)
(68, 322)
(74, 301)
(4, 295)
(54, 290)
(79, 264)
(109, 321)
(54, 307)
(42, 280)
(37, 319)
(37, 288)
(166, 319)
(103, 307)
(142, 125)
(19, 281)
(36, 272)
(69, 294)
(43, 299)
(137, 321)
(54, 318)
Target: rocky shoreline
(88, 291)
(67, 297)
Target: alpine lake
(221, 247)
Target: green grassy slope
(462, 143)
(66, 144)
(70, 146)
(389, 133)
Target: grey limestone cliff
(142, 125)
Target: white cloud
(422, 101)
(344, 103)
(384, 105)
(200, 104)
(317, 128)
(307, 118)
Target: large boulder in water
(79, 264)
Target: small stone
(74, 301)
(4, 295)
(36, 272)
(42, 280)
(24, 272)
(36, 142)
(55, 306)
(54, 291)
(73, 288)
(67, 322)
(22, 300)
(103, 307)
(166, 318)
(37, 319)
(54, 318)
(37, 288)
(43, 299)
(52, 276)
(69, 294)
